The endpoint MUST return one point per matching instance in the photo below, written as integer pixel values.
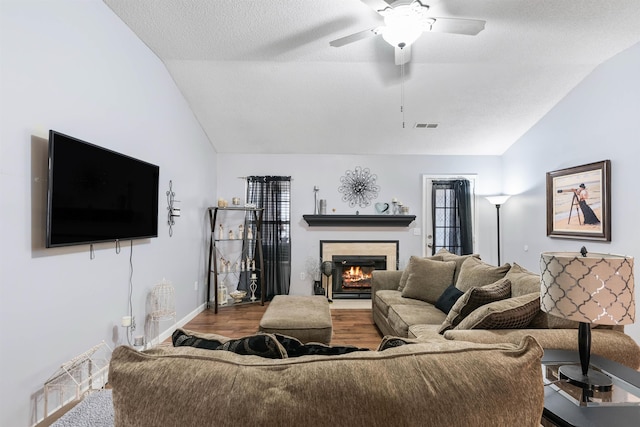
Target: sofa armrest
(384, 280)
(613, 345)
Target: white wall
(598, 120)
(75, 67)
(398, 176)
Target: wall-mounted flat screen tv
(98, 195)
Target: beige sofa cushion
(613, 345)
(512, 313)
(475, 273)
(523, 281)
(427, 279)
(425, 332)
(402, 316)
(473, 299)
(385, 299)
(414, 266)
(445, 255)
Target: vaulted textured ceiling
(261, 77)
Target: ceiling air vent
(426, 125)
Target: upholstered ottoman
(307, 318)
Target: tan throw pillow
(474, 298)
(459, 259)
(428, 279)
(409, 269)
(476, 273)
(512, 313)
(523, 281)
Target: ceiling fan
(405, 21)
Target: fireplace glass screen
(353, 273)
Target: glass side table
(568, 405)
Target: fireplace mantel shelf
(333, 220)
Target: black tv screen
(98, 195)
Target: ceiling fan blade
(469, 27)
(376, 5)
(403, 55)
(354, 37)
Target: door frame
(426, 206)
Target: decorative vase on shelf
(222, 295)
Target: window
(273, 194)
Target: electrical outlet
(129, 322)
(126, 321)
(303, 276)
(195, 285)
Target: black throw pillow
(295, 348)
(448, 298)
(181, 338)
(393, 342)
(272, 346)
(263, 345)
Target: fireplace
(354, 262)
(352, 274)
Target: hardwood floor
(350, 326)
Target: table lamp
(591, 289)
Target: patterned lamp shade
(595, 288)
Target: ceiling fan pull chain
(402, 87)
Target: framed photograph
(579, 202)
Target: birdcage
(79, 376)
(162, 305)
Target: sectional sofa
(461, 298)
(404, 383)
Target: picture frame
(579, 202)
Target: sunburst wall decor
(359, 187)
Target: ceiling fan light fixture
(402, 26)
(401, 36)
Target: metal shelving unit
(235, 253)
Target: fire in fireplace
(352, 275)
(356, 277)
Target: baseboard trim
(168, 332)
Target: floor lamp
(498, 200)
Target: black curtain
(451, 213)
(462, 189)
(273, 194)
